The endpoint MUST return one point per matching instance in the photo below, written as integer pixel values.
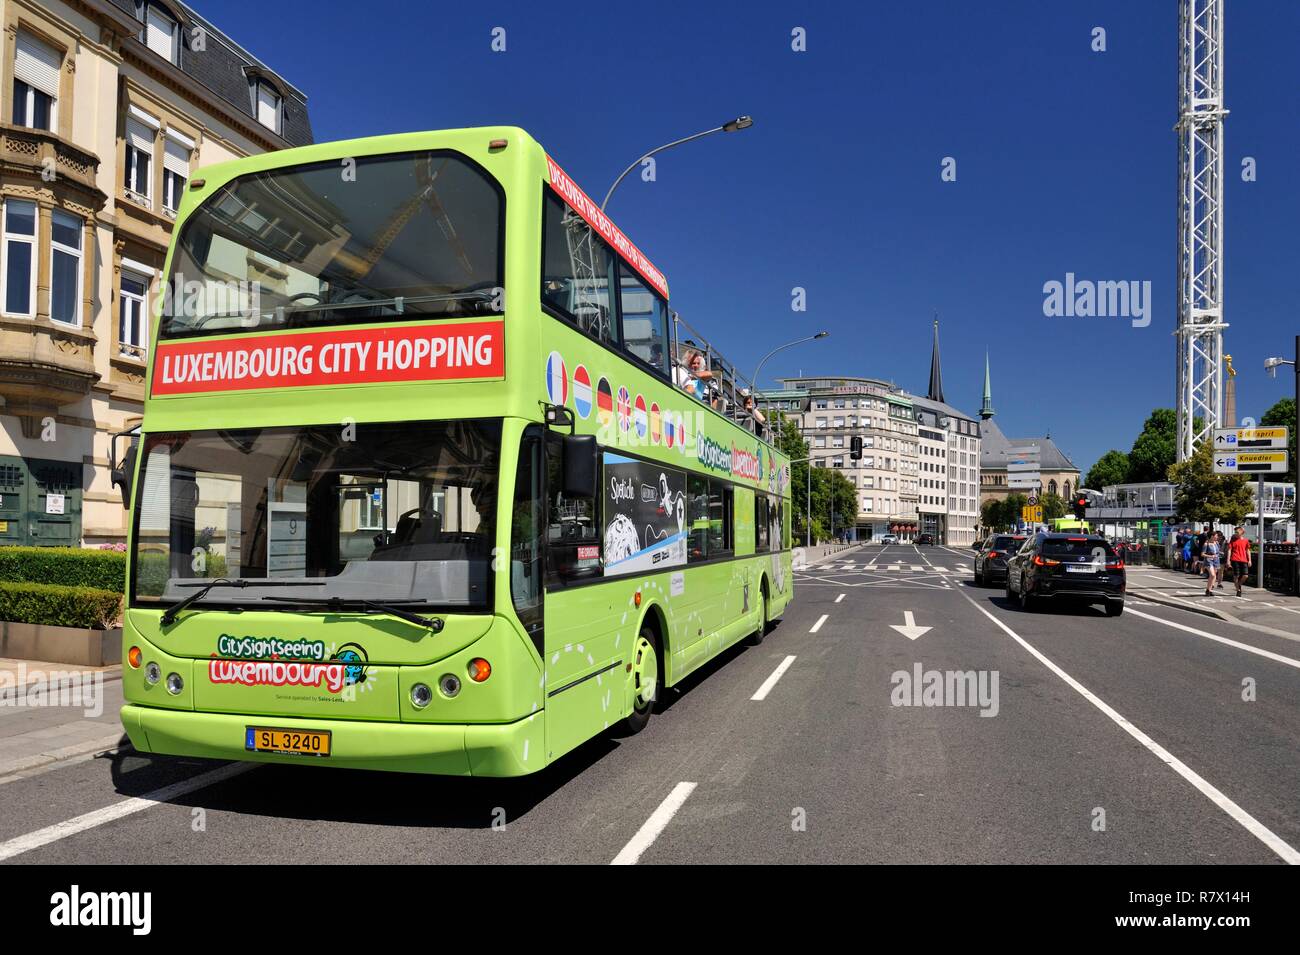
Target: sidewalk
(1262, 610)
(54, 711)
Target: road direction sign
(1250, 462)
(1032, 515)
(1250, 439)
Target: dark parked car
(1068, 567)
(925, 539)
(991, 561)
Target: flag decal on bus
(655, 425)
(557, 380)
(624, 408)
(582, 392)
(639, 414)
(604, 402)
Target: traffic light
(855, 448)
(1080, 506)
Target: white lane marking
(652, 827)
(893, 567)
(1252, 825)
(1289, 661)
(818, 625)
(922, 556)
(839, 598)
(918, 568)
(118, 810)
(770, 682)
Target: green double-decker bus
(414, 488)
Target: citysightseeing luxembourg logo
(734, 461)
(346, 668)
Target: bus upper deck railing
(700, 370)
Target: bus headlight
(152, 673)
(175, 684)
(421, 696)
(449, 683)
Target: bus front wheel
(645, 680)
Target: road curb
(833, 555)
(1211, 612)
(24, 765)
(1159, 598)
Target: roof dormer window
(162, 32)
(268, 105)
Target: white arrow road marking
(770, 682)
(909, 628)
(658, 821)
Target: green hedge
(97, 569)
(57, 606)
(69, 566)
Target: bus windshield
(370, 239)
(401, 511)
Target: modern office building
(106, 107)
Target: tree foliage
(1155, 449)
(827, 484)
(1111, 468)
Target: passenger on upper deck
(691, 376)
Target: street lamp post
(798, 341)
(740, 122)
(1271, 366)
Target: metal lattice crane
(1200, 221)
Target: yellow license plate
(265, 739)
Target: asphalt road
(1122, 740)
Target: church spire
(986, 409)
(936, 375)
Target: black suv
(926, 540)
(1070, 567)
(991, 561)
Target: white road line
(917, 568)
(1252, 825)
(893, 567)
(1224, 640)
(818, 625)
(770, 682)
(839, 598)
(658, 821)
(118, 810)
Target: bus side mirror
(121, 474)
(581, 465)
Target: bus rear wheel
(645, 680)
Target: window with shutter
(176, 169)
(268, 107)
(36, 83)
(160, 33)
(139, 159)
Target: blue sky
(1065, 160)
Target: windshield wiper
(169, 615)
(343, 603)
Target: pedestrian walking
(1210, 557)
(1239, 557)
